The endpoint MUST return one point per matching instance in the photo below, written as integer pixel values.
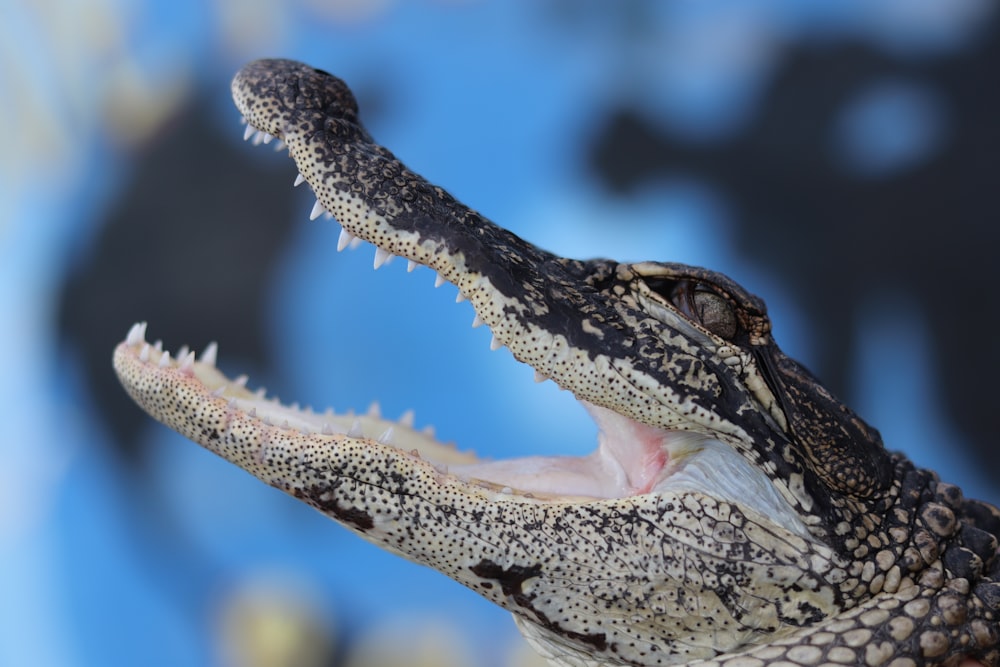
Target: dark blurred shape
(189, 246)
(836, 235)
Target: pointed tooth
(164, 360)
(355, 430)
(317, 210)
(249, 132)
(459, 298)
(299, 180)
(252, 412)
(231, 403)
(495, 344)
(158, 346)
(258, 138)
(280, 146)
(477, 321)
(144, 353)
(183, 352)
(374, 410)
(407, 418)
(386, 437)
(428, 431)
(219, 391)
(243, 119)
(285, 425)
(136, 335)
(381, 257)
(345, 239)
(438, 280)
(539, 377)
(327, 429)
(411, 265)
(355, 243)
(241, 381)
(187, 363)
(267, 138)
(211, 353)
(267, 420)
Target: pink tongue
(629, 460)
(638, 449)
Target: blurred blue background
(841, 159)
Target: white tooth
(249, 132)
(539, 377)
(144, 353)
(219, 391)
(355, 430)
(280, 146)
(258, 137)
(374, 410)
(187, 363)
(260, 394)
(267, 138)
(406, 419)
(136, 335)
(344, 240)
(459, 298)
(381, 257)
(477, 321)
(299, 180)
(317, 210)
(495, 344)
(243, 120)
(164, 360)
(386, 436)
(158, 346)
(428, 431)
(284, 424)
(355, 243)
(241, 381)
(327, 429)
(211, 353)
(438, 280)
(267, 420)
(181, 353)
(410, 265)
(253, 412)
(231, 403)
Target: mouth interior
(630, 458)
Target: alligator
(734, 512)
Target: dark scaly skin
(883, 564)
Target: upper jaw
(581, 324)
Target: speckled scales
(879, 564)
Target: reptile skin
(735, 513)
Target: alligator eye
(715, 313)
(700, 304)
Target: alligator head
(733, 511)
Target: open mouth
(530, 300)
(631, 458)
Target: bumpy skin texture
(876, 562)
